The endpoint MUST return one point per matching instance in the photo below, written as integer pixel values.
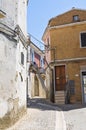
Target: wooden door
(60, 79)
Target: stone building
(13, 55)
(65, 37)
(36, 72)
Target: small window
(22, 58)
(41, 63)
(21, 77)
(75, 18)
(83, 39)
(32, 57)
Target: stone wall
(12, 71)
(66, 42)
(65, 47)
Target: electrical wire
(36, 39)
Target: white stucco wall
(11, 9)
(21, 71)
(11, 86)
(11, 69)
(16, 13)
(22, 22)
(22, 15)
(7, 72)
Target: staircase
(60, 97)
(35, 68)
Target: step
(60, 97)
(59, 92)
(59, 102)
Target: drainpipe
(52, 93)
(53, 73)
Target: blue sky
(40, 11)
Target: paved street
(41, 115)
(75, 116)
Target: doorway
(36, 87)
(84, 86)
(60, 78)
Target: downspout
(52, 90)
(54, 82)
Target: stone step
(59, 102)
(60, 91)
(60, 97)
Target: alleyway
(41, 115)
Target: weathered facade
(65, 37)
(13, 32)
(36, 73)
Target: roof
(67, 17)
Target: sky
(41, 11)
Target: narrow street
(41, 115)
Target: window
(41, 62)
(83, 39)
(32, 57)
(22, 58)
(75, 18)
(21, 77)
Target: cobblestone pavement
(41, 115)
(75, 116)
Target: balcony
(2, 14)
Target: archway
(36, 86)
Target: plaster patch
(4, 108)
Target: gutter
(67, 25)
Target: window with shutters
(83, 39)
